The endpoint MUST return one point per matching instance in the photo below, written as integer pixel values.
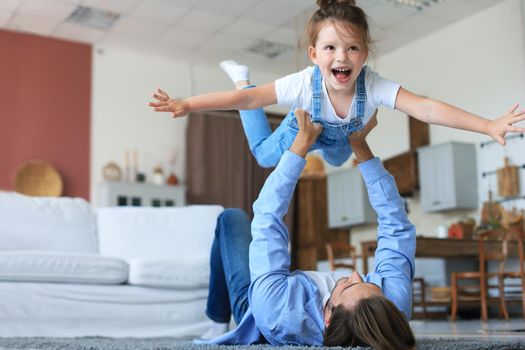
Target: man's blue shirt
(285, 307)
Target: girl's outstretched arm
(253, 98)
(440, 113)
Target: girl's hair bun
(328, 3)
(349, 17)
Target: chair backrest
(516, 233)
(343, 250)
(494, 246)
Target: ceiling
(207, 31)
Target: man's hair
(374, 322)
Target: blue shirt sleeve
(269, 247)
(396, 237)
(286, 306)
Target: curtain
(220, 168)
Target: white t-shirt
(325, 281)
(295, 90)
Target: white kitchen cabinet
(348, 203)
(447, 176)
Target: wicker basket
(38, 178)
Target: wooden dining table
(446, 248)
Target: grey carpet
(96, 343)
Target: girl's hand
(308, 133)
(179, 108)
(498, 128)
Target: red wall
(45, 99)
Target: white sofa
(68, 271)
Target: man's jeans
(229, 267)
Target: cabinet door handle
(436, 202)
(344, 218)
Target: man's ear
(312, 53)
(327, 316)
(326, 322)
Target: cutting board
(491, 212)
(508, 180)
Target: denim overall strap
(360, 99)
(355, 123)
(317, 94)
(361, 94)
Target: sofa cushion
(184, 233)
(26, 266)
(46, 224)
(168, 273)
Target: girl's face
(340, 55)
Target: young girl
(339, 92)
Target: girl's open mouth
(342, 74)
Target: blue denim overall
(267, 147)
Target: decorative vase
(172, 179)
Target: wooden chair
(419, 299)
(478, 292)
(341, 250)
(514, 281)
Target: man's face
(348, 291)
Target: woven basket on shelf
(38, 178)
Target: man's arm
(278, 298)
(269, 247)
(395, 254)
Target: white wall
(477, 64)
(121, 120)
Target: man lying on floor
(251, 278)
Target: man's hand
(164, 103)
(308, 133)
(363, 133)
(358, 141)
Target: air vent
(416, 4)
(268, 49)
(93, 17)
